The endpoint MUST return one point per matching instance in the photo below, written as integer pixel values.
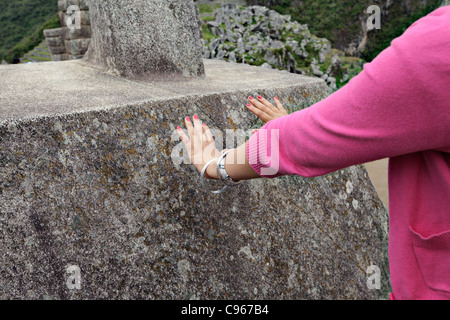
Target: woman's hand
(200, 146)
(264, 110)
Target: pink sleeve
(399, 104)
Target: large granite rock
(145, 39)
(87, 179)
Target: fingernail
(178, 128)
(195, 117)
(276, 98)
(251, 98)
(188, 119)
(259, 97)
(204, 124)
(249, 105)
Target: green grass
(208, 18)
(208, 8)
(22, 23)
(45, 53)
(38, 58)
(30, 42)
(207, 35)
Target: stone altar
(88, 183)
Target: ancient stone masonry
(146, 38)
(92, 178)
(71, 41)
(263, 37)
(254, 35)
(257, 35)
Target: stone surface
(70, 43)
(145, 39)
(258, 35)
(239, 40)
(87, 178)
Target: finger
(189, 127)
(184, 138)
(257, 112)
(191, 147)
(207, 132)
(186, 141)
(279, 105)
(196, 141)
(260, 106)
(267, 103)
(198, 127)
(199, 140)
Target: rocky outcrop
(263, 37)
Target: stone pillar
(146, 39)
(77, 38)
(70, 43)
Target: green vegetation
(207, 8)
(207, 34)
(299, 51)
(39, 53)
(340, 20)
(393, 28)
(22, 23)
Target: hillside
(341, 21)
(21, 25)
(259, 36)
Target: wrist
(211, 172)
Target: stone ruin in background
(67, 43)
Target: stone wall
(70, 43)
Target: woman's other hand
(265, 110)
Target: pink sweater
(398, 107)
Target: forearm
(236, 165)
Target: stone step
(32, 58)
(40, 53)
